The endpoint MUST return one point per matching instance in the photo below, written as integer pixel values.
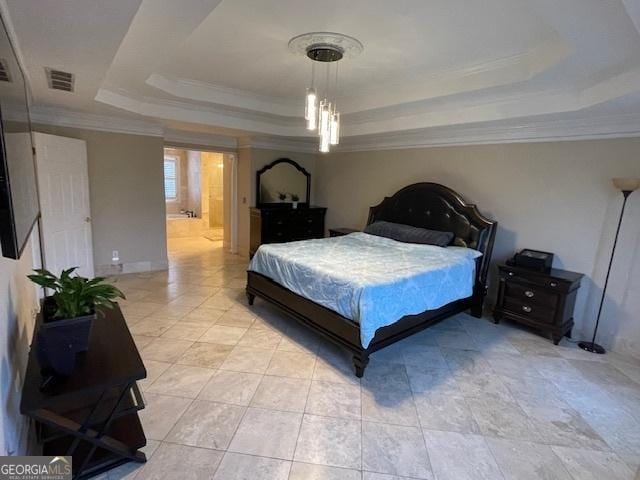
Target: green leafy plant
(295, 197)
(75, 296)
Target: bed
(365, 292)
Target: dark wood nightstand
(339, 232)
(540, 300)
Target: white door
(63, 182)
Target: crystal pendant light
(311, 103)
(334, 128)
(320, 108)
(324, 127)
(324, 143)
(311, 108)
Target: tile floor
(243, 393)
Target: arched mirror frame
(268, 167)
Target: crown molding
(391, 122)
(200, 139)
(280, 143)
(525, 130)
(108, 123)
(231, 98)
(91, 121)
(588, 128)
(218, 116)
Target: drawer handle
(309, 220)
(526, 308)
(511, 274)
(528, 293)
(279, 222)
(553, 284)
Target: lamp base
(592, 347)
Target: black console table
(93, 414)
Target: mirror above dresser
(283, 212)
(282, 181)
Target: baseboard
(131, 267)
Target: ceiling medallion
(327, 48)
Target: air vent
(59, 80)
(5, 76)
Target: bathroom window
(170, 178)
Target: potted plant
(282, 196)
(295, 198)
(67, 316)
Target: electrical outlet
(115, 256)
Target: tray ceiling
(437, 64)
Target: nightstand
(339, 232)
(542, 300)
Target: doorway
(198, 186)
(63, 185)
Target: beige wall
(548, 196)
(18, 303)
(126, 183)
(246, 186)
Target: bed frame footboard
(341, 330)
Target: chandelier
(321, 106)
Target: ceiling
(223, 67)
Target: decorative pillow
(409, 234)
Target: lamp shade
(627, 184)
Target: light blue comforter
(371, 280)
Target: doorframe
(233, 208)
(233, 187)
(38, 140)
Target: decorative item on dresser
(340, 231)
(273, 219)
(542, 300)
(627, 186)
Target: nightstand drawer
(535, 278)
(529, 310)
(528, 293)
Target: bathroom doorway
(197, 188)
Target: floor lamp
(626, 186)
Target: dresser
(284, 224)
(544, 301)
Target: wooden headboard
(436, 207)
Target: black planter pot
(59, 340)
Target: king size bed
(365, 292)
